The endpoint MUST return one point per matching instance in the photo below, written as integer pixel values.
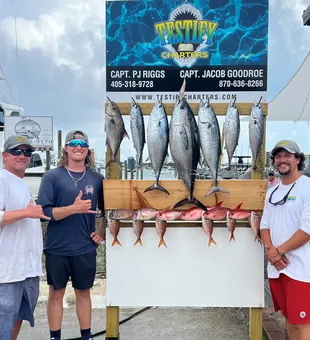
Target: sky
(61, 60)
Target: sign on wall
(39, 130)
(220, 48)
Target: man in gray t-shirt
(70, 195)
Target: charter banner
(219, 47)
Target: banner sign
(39, 130)
(219, 47)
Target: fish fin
(190, 201)
(162, 243)
(156, 187)
(238, 207)
(116, 241)
(142, 200)
(114, 160)
(126, 134)
(216, 189)
(211, 241)
(257, 238)
(232, 237)
(182, 89)
(138, 242)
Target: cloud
(66, 35)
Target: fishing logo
(89, 190)
(186, 36)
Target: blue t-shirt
(71, 235)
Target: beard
(284, 173)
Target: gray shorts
(17, 302)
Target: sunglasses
(283, 200)
(75, 142)
(18, 152)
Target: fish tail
(192, 200)
(217, 189)
(211, 240)
(232, 237)
(138, 242)
(257, 238)
(116, 241)
(156, 186)
(162, 243)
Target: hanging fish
(231, 131)
(207, 226)
(138, 226)
(161, 227)
(210, 140)
(120, 214)
(157, 142)
(137, 130)
(231, 226)
(185, 146)
(256, 131)
(115, 131)
(255, 225)
(114, 226)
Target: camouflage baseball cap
(15, 141)
(288, 145)
(71, 135)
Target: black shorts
(81, 269)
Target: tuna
(185, 146)
(137, 130)
(157, 142)
(256, 131)
(231, 131)
(210, 139)
(115, 131)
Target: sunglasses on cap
(283, 200)
(18, 152)
(76, 142)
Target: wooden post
(256, 317)
(256, 324)
(126, 169)
(48, 160)
(112, 313)
(59, 144)
(112, 323)
(113, 171)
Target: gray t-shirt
(71, 235)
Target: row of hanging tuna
(185, 138)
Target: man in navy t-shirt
(70, 195)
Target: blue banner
(218, 45)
